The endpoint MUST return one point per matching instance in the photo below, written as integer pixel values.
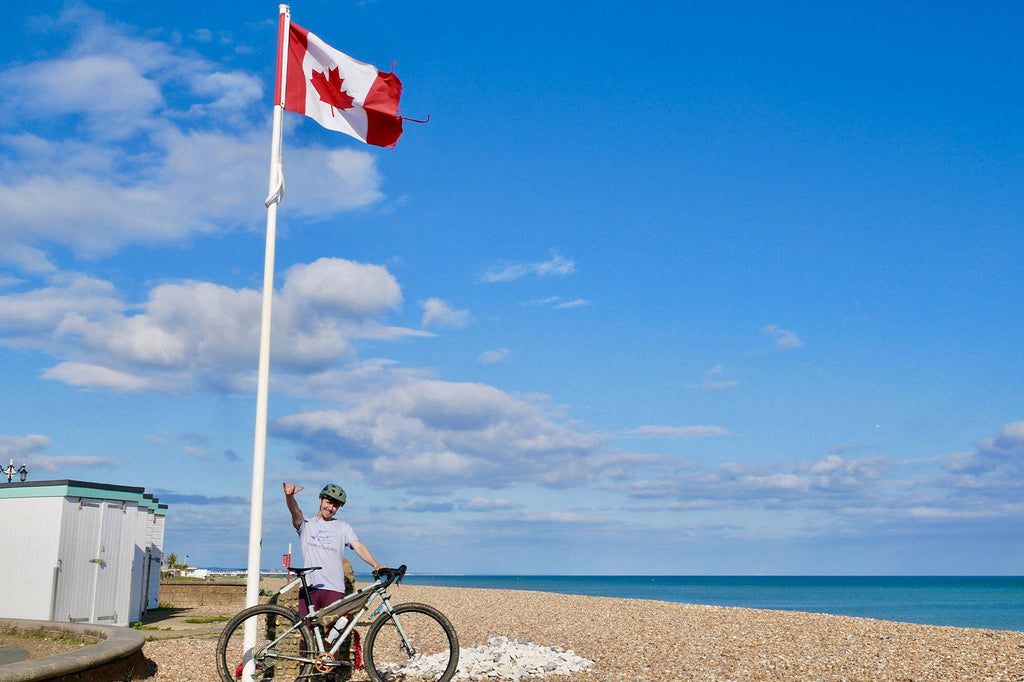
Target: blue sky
(660, 288)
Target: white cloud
(714, 384)
(550, 300)
(93, 376)
(831, 482)
(27, 450)
(997, 461)
(112, 79)
(778, 482)
(6, 282)
(444, 435)
(683, 432)
(428, 506)
(197, 453)
(784, 339)
(438, 313)
(61, 463)
(1009, 441)
(130, 168)
(486, 504)
(856, 493)
(557, 303)
(557, 517)
(342, 286)
(556, 266)
(231, 92)
(191, 334)
(110, 90)
(492, 357)
(946, 514)
(20, 447)
(719, 386)
(38, 312)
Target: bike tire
(271, 622)
(431, 634)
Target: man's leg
(322, 599)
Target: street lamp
(10, 471)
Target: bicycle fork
(386, 606)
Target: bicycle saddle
(303, 571)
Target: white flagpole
(252, 585)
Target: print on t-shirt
(322, 539)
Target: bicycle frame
(355, 606)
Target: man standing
(323, 538)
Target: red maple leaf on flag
(331, 90)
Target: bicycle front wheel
(282, 645)
(413, 642)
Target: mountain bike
(407, 641)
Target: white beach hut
(155, 556)
(79, 552)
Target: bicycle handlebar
(387, 576)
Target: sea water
(994, 603)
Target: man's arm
(293, 506)
(364, 553)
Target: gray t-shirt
(323, 544)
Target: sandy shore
(632, 639)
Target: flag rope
(277, 194)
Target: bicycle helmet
(334, 492)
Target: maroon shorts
(319, 598)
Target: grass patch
(208, 619)
(56, 637)
(153, 638)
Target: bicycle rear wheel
(434, 653)
(282, 645)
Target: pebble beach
(633, 639)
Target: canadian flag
(339, 92)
